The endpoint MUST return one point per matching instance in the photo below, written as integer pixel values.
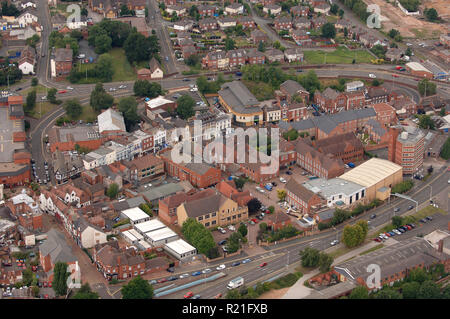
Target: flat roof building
(135, 215)
(180, 249)
(375, 174)
(336, 191)
(111, 120)
(158, 238)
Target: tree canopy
(137, 288)
(198, 236)
(73, 108)
(60, 276)
(185, 107)
(85, 292)
(128, 107)
(100, 99)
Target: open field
(123, 71)
(41, 109)
(393, 18)
(441, 7)
(88, 114)
(339, 56)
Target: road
(158, 24)
(42, 72)
(284, 255)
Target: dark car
(222, 242)
(172, 278)
(162, 280)
(410, 207)
(170, 269)
(274, 184)
(289, 173)
(412, 225)
(186, 80)
(404, 228)
(236, 263)
(429, 218)
(401, 230)
(373, 216)
(396, 209)
(259, 217)
(423, 220)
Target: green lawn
(88, 114)
(39, 89)
(339, 56)
(41, 109)
(123, 71)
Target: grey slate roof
(292, 87)
(162, 191)
(239, 98)
(56, 246)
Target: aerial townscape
(233, 149)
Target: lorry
(235, 283)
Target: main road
(281, 256)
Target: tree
(128, 107)
(60, 276)
(393, 33)
(325, 262)
(102, 44)
(376, 82)
(418, 275)
(193, 60)
(253, 205)
(290, 135)
(85, 292)
(426, 122)
(73, 108)
(281, 193)
(310, 257)
(426, 87)
(139, 48)
(137, 288)
(51, 95)
(243, 230)
(341, 13)
(408, 52)
(239, 182)
(35, 81)
(397, 221)
(334, 8)
(148, 89)
(263, 227)
(445, 152)
(271, 209)
(328, 31)
(234, 242)
(33, 41)
(233, 294)
(100, 99)
(359, 292)
(185, 107)
(104, 68)
(261, 46)
(31, 100)
(198, 236)
(112, 191)
(229, 44)
(388, 293)
(84, 12)
(410, 290)
(353, 235)
(431, 14)
(442, 111)
(379, 51)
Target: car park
(220, 267)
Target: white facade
(157, 74)
(135, 215)
(110, 120)
(26, 68)
(99, 157)
(234, 10)
(160, 237)
(180, 249)
(76, 24)
(91, 237)
(26, 18)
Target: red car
(387, 234)
(398, 67)
(268, 212)
(378, 240)
(62, 91)
(263, 265)
(189, 295)
(409, 227)
(45, 284)
(255, 220)
(217, 296)
(50, 284)
(395, 75)
(162, 280)
(46, 296)
(34, 268)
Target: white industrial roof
(110, 120)
(180, 246)
(332, 187)
(144, 244)
(417, 67)
(160, 234)
(371, 172)
(135, 214)
(129, 235)
(149, 226)
(156, 102)
(136, 234)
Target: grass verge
(339, 56)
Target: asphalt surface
(281, 256)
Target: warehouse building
(160, 237)
(377, 176)
(418, 69)
(135, 215)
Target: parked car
(429, 218)
(172, 278)
(246, 260)
(283, 180)
(263, 265)
(236, 263)
(184, 276)
(373, 216)
(222, 242)
(189, 295)
(160, 281)
(387, 234)
(153, 282)
(196, 297)
(217, 296)
(196, 273)
(378, 240)
(259, 217)
(396, 231)
(423, 220)
(392, 233)
(396, 209)
(411, 225)
(206, 271)
(410, 207)
(289, 173)
(401, 230)
(254, 220)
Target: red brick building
(354, 100)
(63, 62)
(302, 198)
(258, 36)
(299, 11)
(282, 23)
(406, 148)
(346, 146)
(278, 220)
(331, 101)
(404, 107)
(317, 163)
(385, 113)
(291, 89)
(288, 156)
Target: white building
(160, 237)
(26, 18)
(234, 8)
(180, 249)
(99, 157)
(27, 4)
(74, 24)
(111, 120)
(336, 191)
(135, 215)
(354, 86)
(149, 226)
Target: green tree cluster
(128, 107)
(355, 235)
(426, 87)
(100, 99)
(445, 152)
(73, 108)
(60, 276)
(290, 135)
(185, 106)
(144, 88)
(137, 288)
(85, 292)
(112, 191)
(197, 235)
(402, 187)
